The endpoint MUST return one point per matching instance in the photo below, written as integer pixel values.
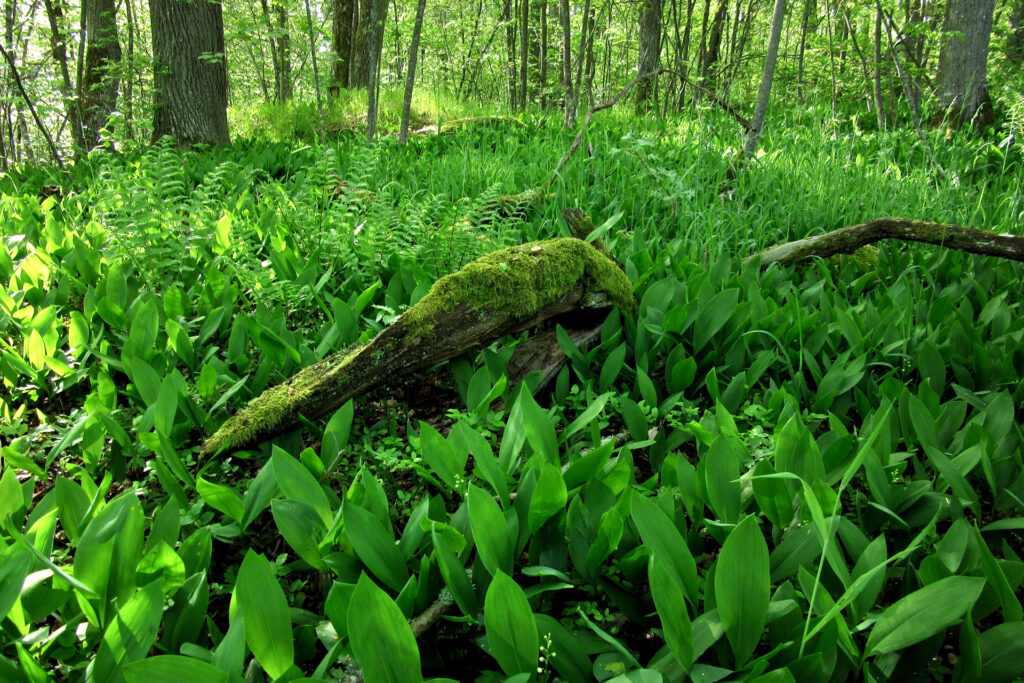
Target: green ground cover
(801, 474)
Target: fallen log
(505, 292)
(849, 239)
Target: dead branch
(849, 239)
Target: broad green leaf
(336, 435)
(549, 496)
(133, 632)
(721, 467)
(172, 669)
(493, 541)
(382, 641)
(109, 551)
(923, 613)
(584, 419)
(264, 607)
(611, 368)
(1002, 652)
(14, 564)
(375, 546)
(145, 326)
(302, 528)
(671, 605)
(296, 483)
(454, 575)
(441, 456)
(742, 587)
(221, 498)
(511, 629)
(161, 563)
(663, 538)
(540, 432)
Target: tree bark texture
(849, 239)
(962, 81)
(410, 80)
(876, 81)
(190, 75)
(650, 51)
(102, 76)
(765, 91)
(359, 73)
(342, 20)
(570, 106)
(1015, 41)
(72, 107)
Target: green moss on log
(277, 404)
(517, 282)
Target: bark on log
(505, 292)
(849, 239)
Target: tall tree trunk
(72, 108)
(570, 106)
(524, 49)
(510, 45)
(375, 38)
(1015, 41)
(876, 82)
(714, 47)
(359, 76)
(190, 75)
(283, 60)
(544, 55)
(102, 76)
(687, 32)
(344, 14)
(410, 78)
(586, 35)
(804, 24)
(765, 91)
(650, 52)
(962, 81)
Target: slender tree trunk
(808, 11)
(650, 52)
(129, 80)
(510, 45)
(687, 32)
(581, 58)
(72, 107)
(524, 50)
(283, 67)
(962, 81)
(544, 55)
(343, 16)
(765, 91)
(102, 68)
(714, 49)
(1015, 41)
(378, 15)
(410, 79)
(860, 54)
(876, 82)
(189, 72)
(570, 106)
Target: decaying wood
(563, 275)
(849, 239)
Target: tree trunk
(102, 76)
(359, 76)
(510, 45)
(570, 106)
(714, 48)
(765, 91)
(283, 66)
(72, 108)
(1015, 41)
(808, 11)
(650, 52)
(524, 49)
(962, 82)
(374, 42)
(410, 79)
(190, 75)
(344, 15)
(876, 82)
(544, 94)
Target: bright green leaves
(549, 496)
(375, 545)
(382, 641)
(742, 587)
(924, 613)
(493, 540)
(511, 629)
(671, 605)
(264, 610)
(667, 545)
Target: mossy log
(505, 292)
(849, 239)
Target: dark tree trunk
(524, 48)
(55, 14)
(876, 81)
(410, 79)
(190, 75)
(962, 82)
(283, 66)
(375, 39)
(102, 76)
(764, 92)
(804, 25)
(570, 106)
(341, 43)
(359, 75)
(714, 48)
(1015, 41)
(650, 52)
(510, 45)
